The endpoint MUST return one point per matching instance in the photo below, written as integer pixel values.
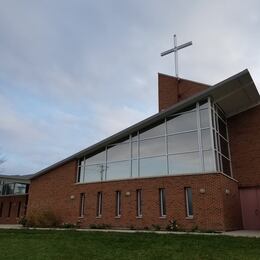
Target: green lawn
(35, 244)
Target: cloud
(75, 72)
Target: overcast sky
(75, 72)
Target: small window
(162, 202)
(188, 198)
(1, 209)
(99, 204)
(9, 210)
(118, 203)
(82, 205)
(139, 203)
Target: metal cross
(175, 50)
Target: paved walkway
(11, 226)
(243, 233)
(237, 233)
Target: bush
(172, 226)
(22, 221)
(156, 227)
(44, 219)
(99, 226)
(69, 225)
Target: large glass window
(118, 170)
(182, 122)
(155, 166)
(184, 142)
(152, 147)
(190, 141)
(185, 163)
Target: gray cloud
(74, 72)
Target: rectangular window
(19, 209)
(139, 203)
(82, 205)
(9, 210)
(118, 203)
(1, 209)
(188, 200)
(162, 202)
(99, 204)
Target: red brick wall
(15, 200)
(167, 88)
(244, 135)
(53, 191)
(231, 202)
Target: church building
(196, 161)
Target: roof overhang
(234, 95)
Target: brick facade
(12, 208)
(172, 90)
(213, 210)
(244, 135)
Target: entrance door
(250, 205)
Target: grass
(43, 244)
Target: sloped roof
(234, 95)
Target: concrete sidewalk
(236, 233)
(10, 226)
(243, 233)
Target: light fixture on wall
(227, 191)
(72, 197)
(202, 191)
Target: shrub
(69, 225)
(100, 226)
(172, 226)
(156, 227)
(43, 219)
(22, 221)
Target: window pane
(185, 142)
(81, 174)
(224, 147)
(182, 122)
(189, 202)
(205, 139)
(158, 130)
(20, 188)
(185, 163)
(162, 202)
(209, 163)
(1, 189)
(95, 172)
(204, 104)
(222, 128)
(119, 152)
(153, 166)
(226, 166)
(118, 170)
(204, 118)
(134, 150)
(97, 158)
(134, 168)
(152, 147)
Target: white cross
(175, 50)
